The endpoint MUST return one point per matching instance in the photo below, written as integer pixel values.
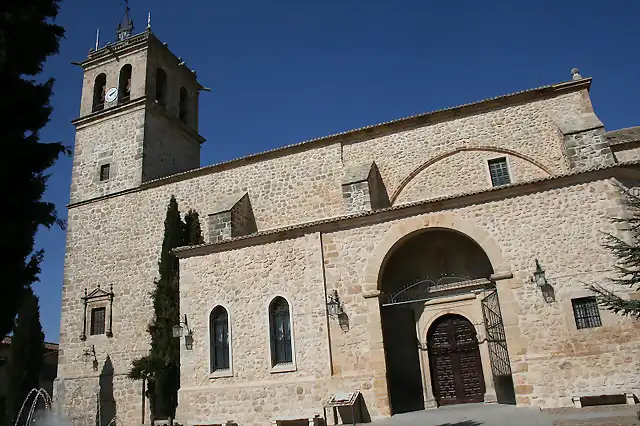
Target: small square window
(585, 310)
(97, 320)
(104, 172)
(499, 172)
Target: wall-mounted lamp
(541, 281)
(88, 354)
(334, 307)
(183, 330)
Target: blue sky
(284, 71)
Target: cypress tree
(27, 38)
(627, 265)
(162, 365)
(25, 356)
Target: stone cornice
(406, 210)
(108, 112)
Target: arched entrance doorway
(420, 268)
(454, 359)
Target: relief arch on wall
(526, 166)
(407, 227)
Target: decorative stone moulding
(363, 189)
(231, 217)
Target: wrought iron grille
(424, 289)
(98, 317)
(280, 320)
(585, 310)
(499, 172)
(496, 338)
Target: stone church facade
(431, 260)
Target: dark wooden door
(454, 357)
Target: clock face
(112, 94)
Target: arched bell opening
(424, 266)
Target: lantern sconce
(88, 354)
(543, 284)
(334, 309)
(179, 331)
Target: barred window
(499, 172)
(280, 325)
(105, 169)
(219, 335)
(98, 316)
(585, 310)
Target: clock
(112, 94)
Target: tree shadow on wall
(106, 410)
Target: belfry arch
(432, 287)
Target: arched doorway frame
(372, 281)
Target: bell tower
(138, 115)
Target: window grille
(499, 172)
(98, 320)
(219, 335)
(280, 325)
(585, 310)
(104, 172)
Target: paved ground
(508, 415)
(471, 415)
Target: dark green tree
(192, 228)
(27, 38)
(25, 356)
(627, 252)
(162, 366)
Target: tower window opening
(161, 87)
(99, 89)
(184, 105)
(105, 169)
(124, 84)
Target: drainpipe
(326, 312)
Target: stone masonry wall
(116, 140)
(117, 240)
(588, 149)
(528, 129)
(551, 359)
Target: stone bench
(576, 399)
(312, 420)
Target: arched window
(124, 84)
(99, 88)
(183, 113)
(280, 329)
(219, 338)
(161, 87)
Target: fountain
(44, 417)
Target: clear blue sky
(284, 71)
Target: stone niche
(231, 217)
(363, 189)
(585, 141)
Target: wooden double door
(454, 359)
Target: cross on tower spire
(125, 27)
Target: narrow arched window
(183, 113)
(124, 84)
(161, 87)
(280, 328)
(99, 88)
(219, 336)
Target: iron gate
(496, 338)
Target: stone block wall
(363, 189)
(117, 240)
(232, 217)
(588, 149)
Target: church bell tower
(138, 115)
